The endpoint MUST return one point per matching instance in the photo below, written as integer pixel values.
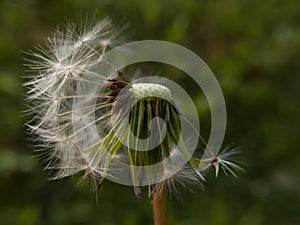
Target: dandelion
(128, 124)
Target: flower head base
(144, 90)
(108, 125)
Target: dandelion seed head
(92, 131)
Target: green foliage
(252, 47)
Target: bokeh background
(253, 47)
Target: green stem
(160, 207)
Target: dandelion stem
(160, 207)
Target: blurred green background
(253, 47)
